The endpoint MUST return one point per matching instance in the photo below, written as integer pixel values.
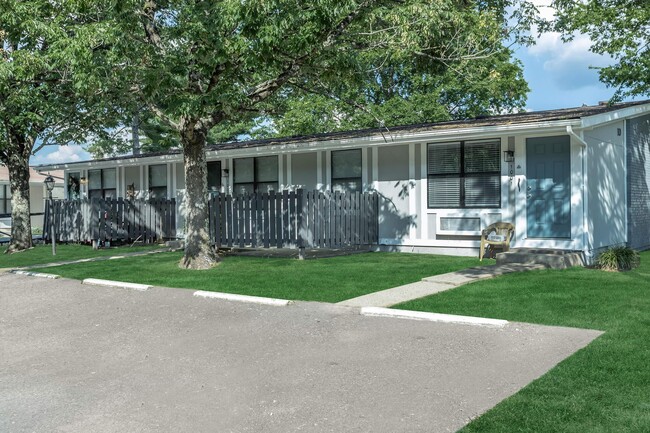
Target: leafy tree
(618, 28)
(201, 65)
(401, 94)
(43, 45)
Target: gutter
(586, 250)
(292, 145)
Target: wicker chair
(496, 235)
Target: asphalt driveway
(77, 358)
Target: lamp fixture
(49, 183)
(509, 156)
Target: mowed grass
(42, 254)
(327, 280)
(604, 387)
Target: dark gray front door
(548, 191)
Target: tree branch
(267, 88)
(349, 102)
(162, 116)
(149, 22)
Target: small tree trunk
(21, 227)
(198, 252)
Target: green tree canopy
(618, 28)
(49, 88)
(202, 66)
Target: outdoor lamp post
(49, 184)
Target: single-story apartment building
(570, 179)
(37, 196)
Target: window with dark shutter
(465, 174)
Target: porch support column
(411, 192)
(328, 170)
(122, 191)
(289, 177)
(231, 176)
(587, 240)
(364, 169)
(169, 181)
(281, 172)
(424, 224)
(142, 190)
(319, 170)
(173, 181)
(375, 168)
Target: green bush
(618, 259)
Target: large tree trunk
(198, 252)
(21, 227)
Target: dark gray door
(548, 192)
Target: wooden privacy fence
(110, 220)
(300, 219)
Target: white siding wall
(606, 161)
(395, 220)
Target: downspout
(586, 250)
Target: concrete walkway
(435, 284)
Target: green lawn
(327, 280)
(42, 254)
(604, 387)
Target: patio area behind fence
(311, 219)
(287, 219)
(111, 220)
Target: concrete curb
(123, 285)
(242, 298)
(35, 274)
(432, 317)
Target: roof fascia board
(614, 116)
(430, 136)
(127, 162)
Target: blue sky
(558, 74)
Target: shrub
(618, 259)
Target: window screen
(102, 183)
(258, 174)
(464, 174)
(346, 170)
(5, 199)
(158, 181)
(214, 177)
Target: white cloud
(61, 154)
(569, 65)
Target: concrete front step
(554, 259)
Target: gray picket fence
(311, 219)
(110, 220)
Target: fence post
(53, 226)
(299, 217)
